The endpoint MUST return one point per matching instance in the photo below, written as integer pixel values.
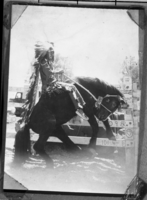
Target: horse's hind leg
(39, 146)
(60, 133)
(22, 144)
(42, 121)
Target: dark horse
(55, 108)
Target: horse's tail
(31, 94)
(22, 143)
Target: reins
(82, 87)
(106, 108)
(91, 93)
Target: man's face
(50, 54)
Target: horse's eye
(113, 104)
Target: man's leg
(78, 102)
(76, 98)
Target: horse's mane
(110, 89)
(31, 93)
(98, 87)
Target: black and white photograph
(73, 106)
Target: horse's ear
(123, 102)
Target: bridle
(106, 108)
(100, 100)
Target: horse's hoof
(46, 158)
(49, 163)
(93, 152)
(18, 161)
(89, 152)
(75, 149)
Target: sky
(95, 41)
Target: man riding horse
(44, 64)
(44, 60)
(57, 105)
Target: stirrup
(82, 115)
(80, 106)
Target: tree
(130, 68)
(63, 63)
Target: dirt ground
(104, 172)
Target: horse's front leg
(95, 128)
(60, 133)
(109, 131)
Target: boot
(81, 114)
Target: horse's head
(107, 105)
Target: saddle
(57, 88)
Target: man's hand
(17, 126)
(36, 61)
(58, 72)
(62, 71)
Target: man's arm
(57, 72)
